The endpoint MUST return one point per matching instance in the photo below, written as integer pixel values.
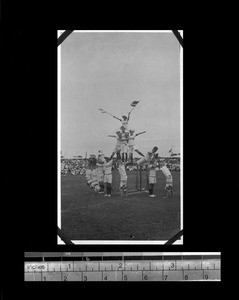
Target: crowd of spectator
(73, 166)
(78, 166)
(173, 163)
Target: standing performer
(107, 167)
(169, 179)
(152, 177)
(124, 143)
(100, 174)
(146, 159)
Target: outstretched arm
(117, 118)
(112, 155)
(112, 136)
(136, 150)
(140, 133)
(128, 116)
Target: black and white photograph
(110, 160)
(120, 136)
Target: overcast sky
(109, 70)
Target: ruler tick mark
(56, 270)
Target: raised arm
(140, 133)
(117, 118)
(128, 116)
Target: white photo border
(113, 242)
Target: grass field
(86, 216)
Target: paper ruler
(122, 266)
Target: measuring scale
(122, 266)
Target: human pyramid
(99, 169)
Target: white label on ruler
(35, 267)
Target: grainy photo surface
(120, 155)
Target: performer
(107, 167)
(123, 177)
(124, 120)
(169, 179)
(149, 156)
(152, 176)
(92, 176)
(124, 143)
(100, 174)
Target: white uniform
(125, 123)
(107, 167)
(123, 175)
(145, 159)
(88, 176)
(152, 173)
(92, 178)
(100, 167)
(94, 175)
(168, 176)
(124, 142)
(100, 173)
